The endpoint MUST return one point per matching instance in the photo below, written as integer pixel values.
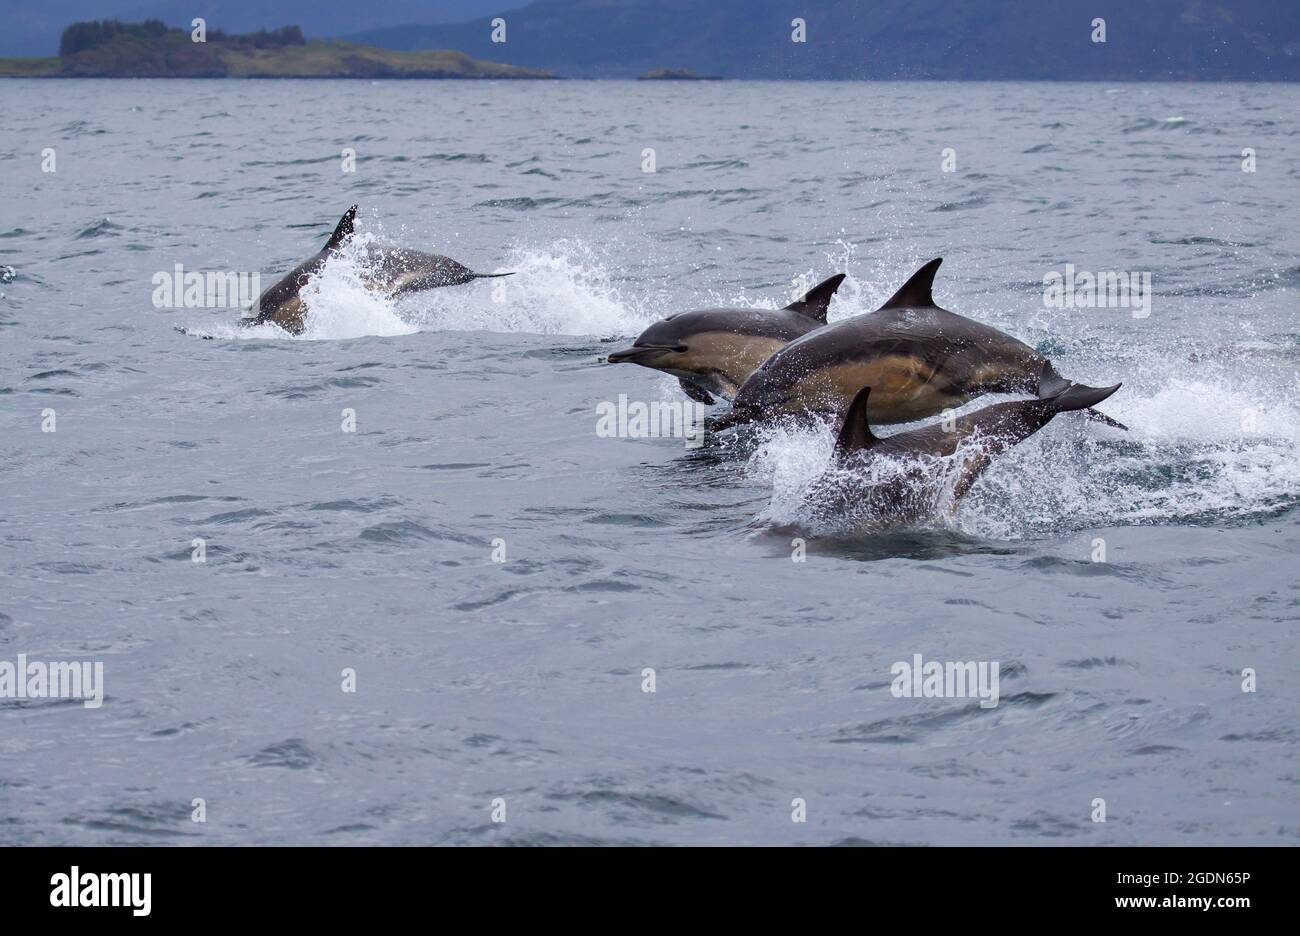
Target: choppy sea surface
(522, 681)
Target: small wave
(717, 164)
(82, 128)
(102, 228)
(401, 531)
(972, 201)
(458, 157)
(282, 163)
(291, 754)
(1164, 123)
(522, 203)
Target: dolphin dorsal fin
(855, 434)
(818, 299)
(343, 231)
(915, 293)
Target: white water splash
(558, 290)
(1198, 451)
(341, 306)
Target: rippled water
(476, 422)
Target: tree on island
(94, 33)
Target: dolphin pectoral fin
(816, 301)
(916, 292)
(344, 229)
(698, 394)
(855, 433)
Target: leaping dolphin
(394, 271)
(892, 481)
(918, 359)
(713, 351)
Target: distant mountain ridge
(1208, 40)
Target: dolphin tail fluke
(816, 301)
(1052, 385)
(1079, 397)
(344, 229)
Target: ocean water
(518, 686)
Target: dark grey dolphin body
(918, 359)
(899, 480)
(713, 351)
(395, 271)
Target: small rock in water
(7, 274)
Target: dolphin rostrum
(713, 351)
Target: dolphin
(894, 480)
(398, 271)
(918, 359)
(394, 271)
(713, 351)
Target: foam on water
(560, 289)
(789, 459)
(341, 306)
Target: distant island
(112, 49)
(676, 74)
